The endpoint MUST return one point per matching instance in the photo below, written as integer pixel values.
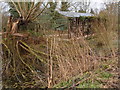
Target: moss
(89, 84)
(64, 84)
(105, 75)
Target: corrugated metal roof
(74, 14)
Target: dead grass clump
(75, 56)
(70, 58)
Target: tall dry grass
(107, 30)
(72, 57)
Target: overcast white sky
(94, 4)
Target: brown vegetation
(48, 60)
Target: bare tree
(29, 13)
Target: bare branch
(40, 12)
(30, 10)
(16, 8)
(21, 10)
(35, 9)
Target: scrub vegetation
(37, 51)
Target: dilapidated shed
(79, 23)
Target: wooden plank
(15, 34)
(20, 35)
